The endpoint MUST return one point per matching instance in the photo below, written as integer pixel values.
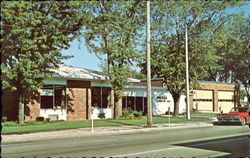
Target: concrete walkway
(108, 130)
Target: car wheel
(243, 121)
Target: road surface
(216, 141)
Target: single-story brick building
(68, 95)
(209, 96)
(72, 93)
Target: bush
(47, 119)
(39, 118)
(170, 113)
(130, 114)
(137, 114)
(10, 124)
(4, 119)
(101, 115)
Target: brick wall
(215, 87)
(32, 109)
(78, 96)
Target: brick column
(215, 100)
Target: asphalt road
(216, 141)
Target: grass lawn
(12, 127)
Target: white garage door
(203, 100)
(225, 100)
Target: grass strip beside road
(32, 126)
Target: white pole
(149, 102)
(187, 75)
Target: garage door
(225, 100)
(203, 100)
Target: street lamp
(187, 74)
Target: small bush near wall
(129, 114)
(4, 119)
(40, 118)
(101, 115)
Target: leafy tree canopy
(32, 36)
(169, 20)
(114, 32)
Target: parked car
(237, 115)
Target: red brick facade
(32, 109)
(78, 98)
(216, 87)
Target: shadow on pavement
(237, 146)
(226, 124)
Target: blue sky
(83, 58)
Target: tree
(235, 52)
(169, 20)
(32, 36)
(113, 32)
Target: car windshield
(238, 110)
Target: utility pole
(149, 102)
(187, 75)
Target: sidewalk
(108, 130)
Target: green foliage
(169, 20)
(113, 31)
(235, 52)
(4, 119)
(32, 36)
(9, 124)
(129, 114)
(39, 118)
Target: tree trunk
(117, 105)
(117, 108)
(176, 98)
(20, 110)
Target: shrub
(130, 114)
(10, 124)
(101, 115)
(48, 119)
(170, 113)
(137, 114)
(127, 112)
(39, 118)
(4, 119)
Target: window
(238, 109)
(225, 100)
(53, 97)
(135, 103)
(100, 96)
(202, 100)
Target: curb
(86, 132)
